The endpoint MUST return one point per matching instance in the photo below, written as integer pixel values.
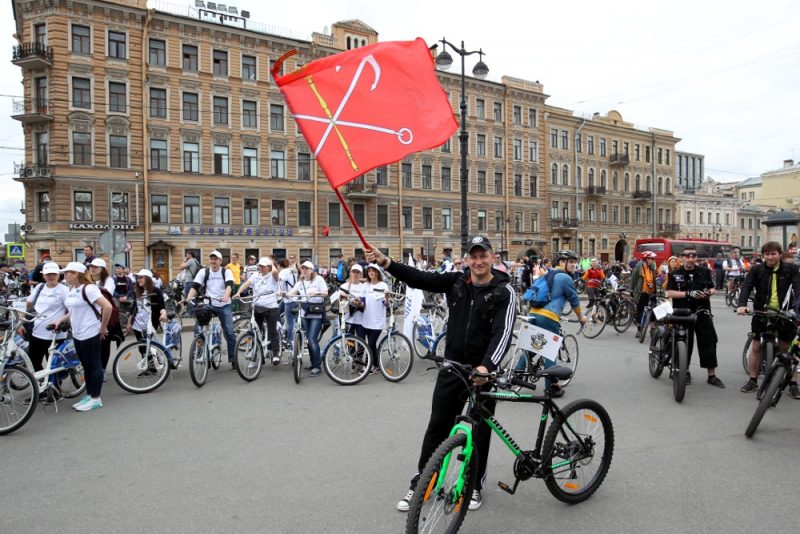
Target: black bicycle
(669, 347)
(775, 382)
(769, 339)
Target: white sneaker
(405, 502)
(276, 360)
(476, 501)
(83, 400)
(252, 364)
(91, 404)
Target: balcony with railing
(31, 111)
(594, 190)
(361, 190)
(617, 159)
(666, 228)
(27, 173)
(642, 195)
(32, 56)
(563, 223)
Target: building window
(627, 215)
(304, 166)
(250, 162)
(250, 211)
(627, 182)
(518, 149)
(249, 68)
(481, 181)
(81, 93)
(498, 147)
(277, 164)
(43, 206)
(447, 219)
(276, 117)
(304, 213)
(532, 117)
(408, 217)
(498, 111)
(220, 63)
(480, 108)
(190, 107)
(647, 154)
(602, 178)
(615, 214)
(638, 216)
(118, 148)
(446, 185)
(158, 103)
(116, 45)
(518, 222)
(660, 156)
(81, 148)
(191, 209)
(220, 110)
(446, 147)
(590, 145)
(158, 209)
(535, 223)
(427, 218)
(603, 213)
(426, 177)
(222, 210)
(158, 53)
(533, 186)
(359, 214)
(636, 152)
(381, 176)
(81, 39)
(554, 174)
(83, 206)
(383, 216)
(334, 218)
(565, 174)
(117, 97)
(533, 151)
(481, 220)
(564, 139)
(158, 155)
(498, 183)
(191, 157)
(190, 58)
(42, 148)
(553, 138)
(602, 147)
(666, 156)
(249, 114)
(518, 185)
(579, 177)
(222, 159)
(578, 143)
(481, 145)
(406, 172)
(517, 112)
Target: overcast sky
(723, 75)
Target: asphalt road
(272, 456)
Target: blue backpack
(538, 295)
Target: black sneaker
(688, 378)
(794, 391)
(716, 382)
(749, 386)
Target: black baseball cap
(479, 241)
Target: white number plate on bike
(662, 310)
(539, 341)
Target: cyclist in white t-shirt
(47, 300)
(353, 300)
(374, 320)
(287, 278)
(734, 268)
(217, 283)
(313, 287)
(265, 286)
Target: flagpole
(367, 246)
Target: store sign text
(239, 231)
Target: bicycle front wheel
(198, 363)
(577, 451)
(138, 370)
(347, 360)
(395, 357)
(624, 317)
(645, 326)
(768, 398)
(71, 383)
(297, 357)
(423, 344)
(568, 357)
(746, 353)
(596, 321)
(444, 489)
(19, 393)
(680, 365)
(249, 359)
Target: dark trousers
(449, 396)
(372, 336)
(37, 352)
(644, 298)
(706, 341)
(270, 316)
(88, 351)
(719, 277)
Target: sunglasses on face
(689, 255)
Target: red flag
(368, 107)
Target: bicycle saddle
(63, 327)
(557, 373)
(428, 305)
(686, 319)
(171, 315)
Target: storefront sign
(90, 226)
(239, 231)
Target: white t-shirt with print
(84, 321)
(215, 288)
(305, 286)
(356, 291)
(288, 278)
(375, 310)
(50, 307)
(108, 285)
(264, 288)
(736, 267)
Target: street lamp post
(444, 60)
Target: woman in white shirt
(313, 287)
(265, 299)
(99, 271)
(47, 300)
(374, 320)
(89, 326)
(354, 300)
(287, 279)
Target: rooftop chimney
(788, 163)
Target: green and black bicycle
(572, 457)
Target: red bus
(707, 249)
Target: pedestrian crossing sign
(15, 250)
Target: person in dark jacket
(480, 323)
(137, 320)
(777, 285)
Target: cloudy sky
(723, 75)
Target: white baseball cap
(265, 261)
(216, 253)
(307, 264)
(74, 266)
(357, 267)
(50, 267)
(145, 272)
(99, 262)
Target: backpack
(538, 295)
(114, 320)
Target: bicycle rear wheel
(70, 383)
(19, 393)
(596, 321)
(680, 365)
(198, 362)
(768, 398)
(136, 371)
(347, 360)
(655, 362)
(249, 359)
(746, 353)
(645, 326)
(568, 357)
(438, 505)
(578, 448)
(624, 317)
(395, 357)
(297, 357)
(423, 344)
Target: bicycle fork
(456, 494)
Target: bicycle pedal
(505, 487)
